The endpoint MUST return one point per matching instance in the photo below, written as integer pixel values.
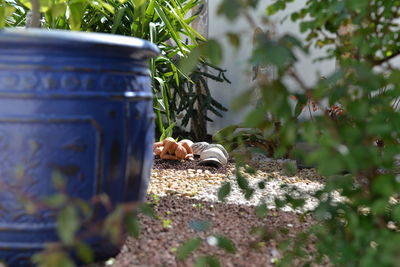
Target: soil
(255, 239)
(157, 243)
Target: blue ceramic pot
(78, 104)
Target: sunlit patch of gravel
(203, 184)
(187, 183)
(273, 189)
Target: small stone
(391, 225)
(373, 244)
(212, 240)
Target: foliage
(361, 35)
(76, 225)
(358, 134)
(235, 136)
(189, 246)
(163, 22)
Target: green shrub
(357, 132)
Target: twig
(35, 19)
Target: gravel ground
(187, 194)
(157, 244)
(202, 183)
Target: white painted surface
(236, 61)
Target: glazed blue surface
(77, 104)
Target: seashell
(199, 147)
(220, 147)
(213, 156)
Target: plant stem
(35, 19)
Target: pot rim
(74, 38)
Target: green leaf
(224, 191)
(26, 3)
(84, 252)
(188, 64)
(201, 261)
(167, 132)
(213, 50)
(396, 213)
(55, 258)
(225, 133)
(358, 5)
(67, 224)
(210, 261)
(295, 202)
(147, 210)
(242, 182)
(173, 33)
(383, 185)
(255, 118)
(5, 11)
(298, 109)
(248, 193)
(167, 223)
(118, 19)
(262, 210)
(56, 201)
(77, 10)
(261, 185)
(132, 225)
(187, 248)
(379, 206)
(226, 244)
(230, 8)
(58, 10)
(213, 261)
(139, 3)
(234, 39)
(107, 6)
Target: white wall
(236, 61)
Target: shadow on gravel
(161, 237)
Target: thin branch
(296, 77)
(250, 19)
(35, 18)
(386, 59)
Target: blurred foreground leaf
(188, 247)
(224, 191)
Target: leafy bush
(358, 135)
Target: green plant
(75, 223)
(361, 35)
(261, 138)
(167, 24)
(189, 246)
(196, 98)
(166, 223)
